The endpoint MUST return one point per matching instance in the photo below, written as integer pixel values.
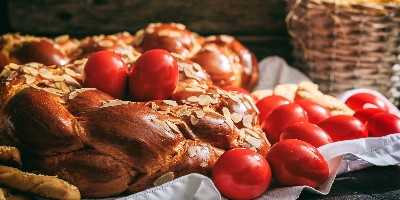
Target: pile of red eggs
(296, 129)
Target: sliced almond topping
(251, 102)
(5, 73)
(199, 113)
(30, 71)
(170, 102)
(106, 43)
(71, 81)
(183, 112)
(236, 117)
(61, 39)
(193, 99)
(205, 100)
(29, 79)
(193, 120)
(189, 71)
(251, 132)
(226, 38)
(180, 26)
(227, 116)
(57, 78)
(45, 73)
(75, 93)
(167, 177)
(173, 127)
(53, 91)
(114, 102)
(154, 106)
(169, 33)
(194, 89)
(247, 121)
(234, 97)
(207, 109)
(70, 72)
(13, 66)
(253, 141)
(201, 153)
(64, 87)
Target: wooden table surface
(374, 183)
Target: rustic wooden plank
(106, 16)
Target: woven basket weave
(343, 45)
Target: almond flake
(53, 91)
(114, 102)
(193, 89)
(251, 102)
(57, 78)
(170, 102)
(45, 74)
(253, 141)
(193, 99)
(183, 112)
(234, 97)
(193, 120)
(5, 73)
(247, 121)
(236, 117)
(76, 92)
(70, 72)
(106, 43)
(227, 116)
(173, 127)
(29, 79)
(226, 38)
(251, 132)
(154, 106)
(205, 100)
(169, 33)
(199, 113)
(207, 109)
(180, 26)
(30, 71)
(13, 66)
(71, 81)
(167, 177)
(189, 71)
(61, 39)
(202, 153)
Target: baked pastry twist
(224, 58)
(106, 146)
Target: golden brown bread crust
(42, 123)
(172, 37)
(228, 62)
(106, 146)
(45, 186)
(223, 57)
(95, 174)
(142, 141)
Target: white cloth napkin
(342, 156)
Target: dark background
(257, 23)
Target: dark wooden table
(374, 183)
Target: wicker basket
(343, 45)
